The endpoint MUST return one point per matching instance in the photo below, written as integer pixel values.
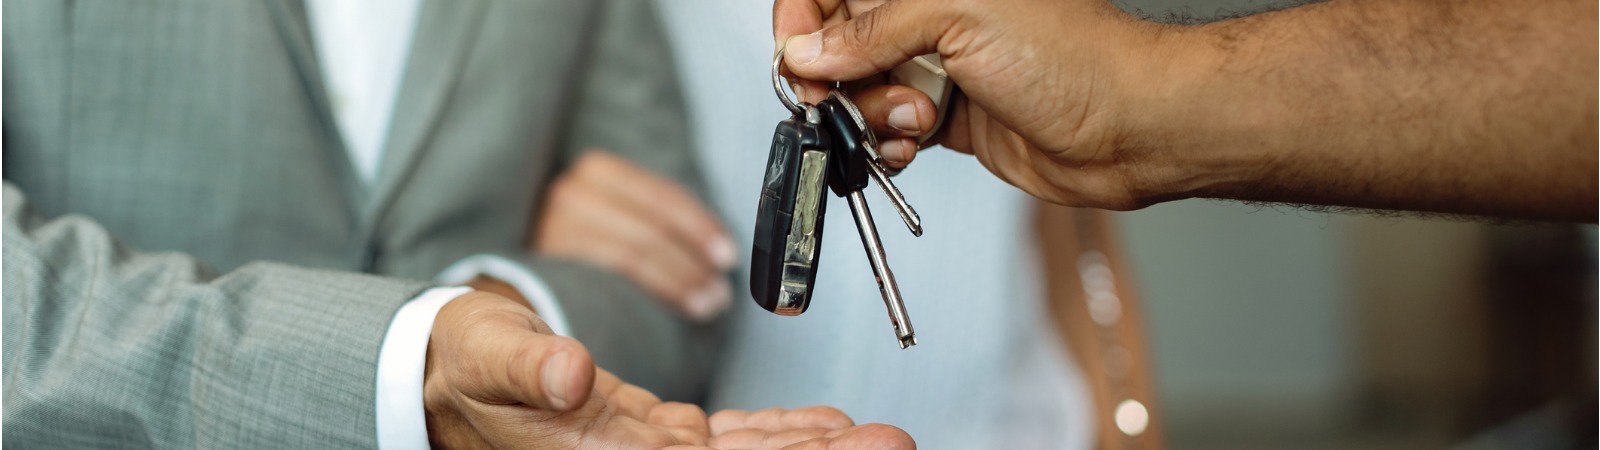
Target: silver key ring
(777, 84)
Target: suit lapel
(444, 35)
(294, 28)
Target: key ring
(777, 84)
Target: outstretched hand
(497, 378)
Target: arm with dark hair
(1479, 107)
(1484, 107)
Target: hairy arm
(1484, 107)
(1481, 107)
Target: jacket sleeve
(108, 347)
(629, 103)
(629, 99)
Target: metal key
(849, 167)
(869, 142)
(887, 286)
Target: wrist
(447, 425)
(1182, 112)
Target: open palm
(496, 377)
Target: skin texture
(497, 378)
(611, 213)
(1484, 107)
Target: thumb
(876, 41)
(512, 362)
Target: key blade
(887, 286)
(908, 215)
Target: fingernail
(711, 301)
(897, 151)
(721, 252)
(904, 118)
(554, 377)
(804, 49)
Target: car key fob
(848, 173)
(788, 235)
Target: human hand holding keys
(823, 144)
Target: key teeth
(907, 213)
(913, 223)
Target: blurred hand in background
(622, 217)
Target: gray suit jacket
(189, 260)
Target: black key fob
(848, 172)
(788, 238)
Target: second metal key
(852, 162)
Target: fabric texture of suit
(191, 261)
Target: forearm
(1470, 107)
(108, 346)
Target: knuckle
(726, 415)
(725, 419)
(482, 308)
(523, 363)
(864, 31)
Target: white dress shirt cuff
(402, 423)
